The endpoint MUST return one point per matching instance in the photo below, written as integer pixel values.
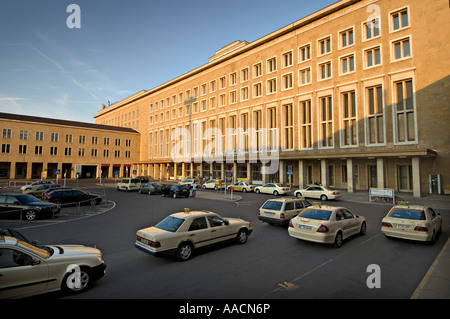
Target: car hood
(66, 251)
(237, 221)
(41, 204)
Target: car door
(434, 218)
(220, 229)
(343, 223)
(199, 232)
(21, 274)
(2, 205)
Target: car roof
(403, 206)
(284, 199)
(188, 214)
(324, 207)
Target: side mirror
(35, 261)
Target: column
(415, 161)
(324, 172)
(249, 172)
(301, 174)
(380, 172)
(350, 175)
(282, 173)
(234, 180)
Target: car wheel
(149, 192)
(174, 195)
(275, 193)
(242, 236)
(338, 240)
(323, 197)
(185, 251)
(257, 191)
(77, 280)
(93, 202)
(244, 190)
(298, 195)
(433, 239)
(363, 229)
(30, 215)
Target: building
(355, 96)
(43, 148)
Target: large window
(349, 125)
(288, 126)
(404, 111)
(326, 121)
(306, 124)
(375, 115)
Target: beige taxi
(179, 234)
(415, 222)
(326, 224)
(27, 269)
(243, 186)
(279, 211)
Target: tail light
(154, 244)
(333, 193)
(322, 229)
(421, 228)
(388, 225)
(282, 215)
(290, 224)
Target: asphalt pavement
(436, 283)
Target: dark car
(45, 193)
(26, 206)
(72, 197)
(150, 188)
(175, 191)
(143, 179)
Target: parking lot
(271, 265)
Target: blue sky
(122, 47)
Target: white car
(188, 181)
(320, 192)
(273, 188)
(27, 269)
(29, 186)
(415, 222)
(326, 224)
(243, 186)
(179, 234)
(213, 184)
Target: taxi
(243, 186)
(414, 222)
(213, 184)
(273, 188)
(279, 211)
(318, 191)
(180, 234)
(28, 269)
(326, 224)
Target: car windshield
(273, 205)
(170, 223)
(316, 214)
(27, 198)
(44, 253)
(408, 214)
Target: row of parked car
(43, 199)
(316, 191)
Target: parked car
(273, 188)
(38, 190)
(187, 181)
(143, 179)
(73, 196)
(243, 186)
(213, 184)
(45, 192)
(175, 191)
(280, 210)
(150, 188)
(415, 222)
(326, 224)
(26, 206)
(28, 186)
(129, 184)
(181, 233)
(320, 192)
(29, 269)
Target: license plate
(402, 226)
(269, 214)
(305, 227)
(144, 241)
